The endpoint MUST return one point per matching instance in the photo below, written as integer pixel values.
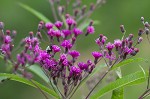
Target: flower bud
(122, 28)
(146, 24)
(8, 32)
(140, 40)
(142, 19)
(147, 31)
(140, 32)
(1, 25)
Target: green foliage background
(110, 15)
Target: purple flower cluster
(59, 60)
(117, 51)
(61, 42)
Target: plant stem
(99, 82)
(53, 10)
(78, 86)
(148, 78)
(142, 96)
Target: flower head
(90, 30)
(66, 44)
(117, 42)
(57, 33)
(110, 46)
(49, 25)
(66, 32)
(74, 53)
(55, 48)
(58, 24)
(70, 21)
(97, 55)
(82, 66)
(63, 57)
(7, 39)
(51, 32)
(77, 31)
(75, 71)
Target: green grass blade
(34, 12)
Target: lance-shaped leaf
(4, 76)
(131, 79)
(128, 61)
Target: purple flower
(111, 57)
(117, 43)
(57, 33)
(65, 62)
(97, 55)
(51, 32)
(58, 24)
(7, 39)
(90, 30)
(21, 59)
(110, 46)
(42, 56)
(66, 32)
(63, 57)
(98, 41)
(75, 71)
(49, 25)
(70, 21)
(49, 64)
(89, 62)
(128, 50)
(55, 48)
(82, 66)
(101, 40)
(66, 44)
(77, 32)
(37, 49)
(5, 47)
(74, 53)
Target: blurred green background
(111, 15)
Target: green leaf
(128, 61)
(122, 82)
(34, 12)
(39, 72)
(118, 93)
(28, 82)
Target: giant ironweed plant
(59, 65)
